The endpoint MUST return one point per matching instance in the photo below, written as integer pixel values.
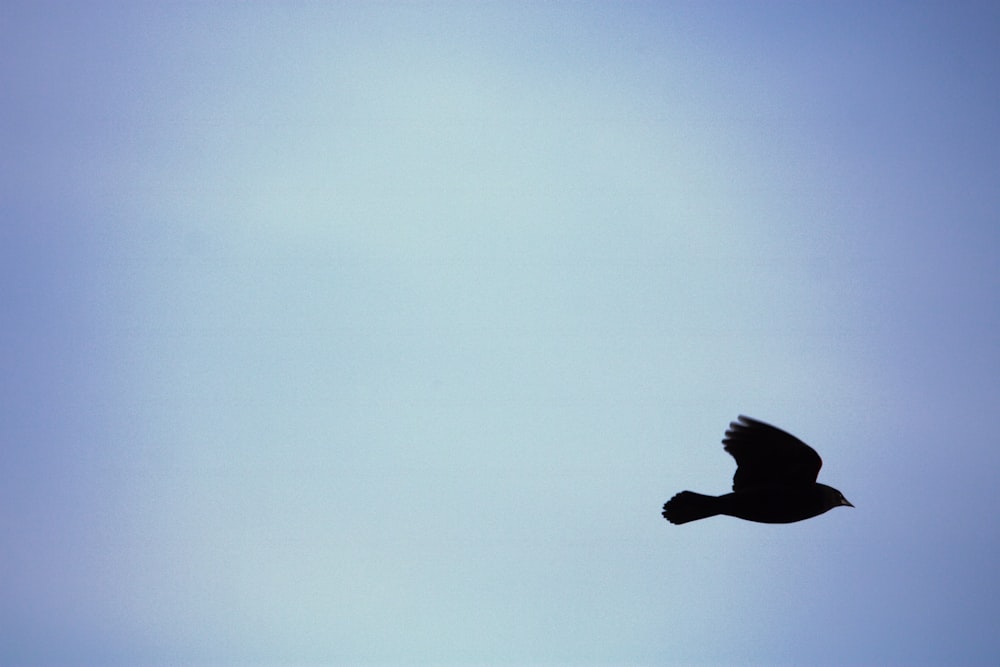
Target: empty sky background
(378, 333)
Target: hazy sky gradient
(378, 333)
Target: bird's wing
(766, 455)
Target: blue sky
(377, 334)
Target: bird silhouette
(775, 480)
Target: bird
(775, 480)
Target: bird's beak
(845, 501)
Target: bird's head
(833, 498)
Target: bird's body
(775, 480)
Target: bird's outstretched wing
(766, 456)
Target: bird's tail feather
(690, 506)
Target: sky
(378, 333)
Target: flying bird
(775, 480)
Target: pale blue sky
(378, 333)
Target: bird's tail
(690, 506)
